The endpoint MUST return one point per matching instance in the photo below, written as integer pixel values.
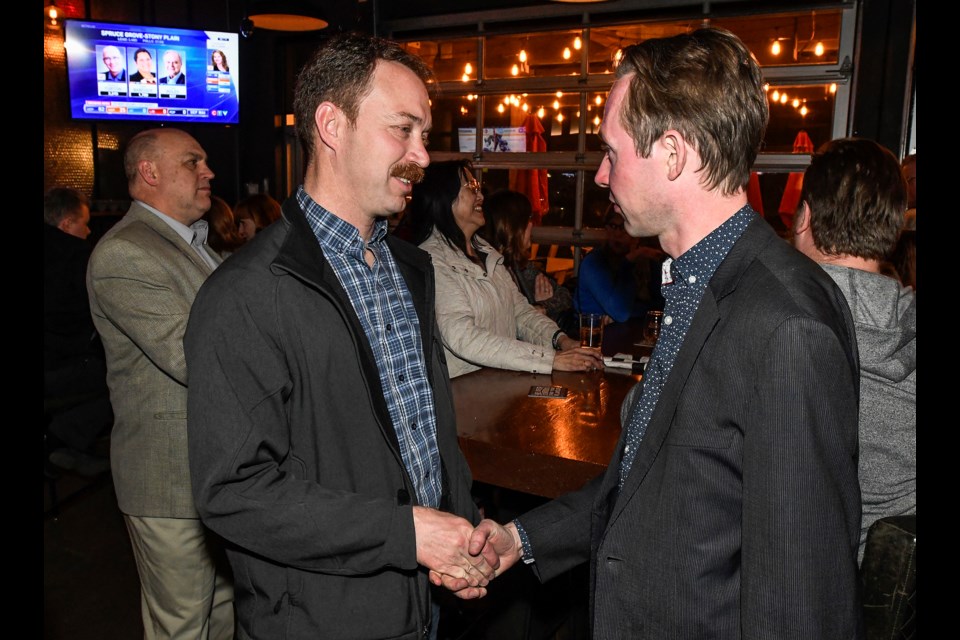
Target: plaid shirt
(385, 308)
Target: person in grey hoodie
(851, 211)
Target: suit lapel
(138, 213)
(723, 282)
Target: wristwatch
(555, 340)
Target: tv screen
(160, 74)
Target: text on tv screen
(161, 74)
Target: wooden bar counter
(544, 446)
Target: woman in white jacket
(484, 319)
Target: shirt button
(413, 425)
(400, 377)
(667, 319)
(426, 475)
(389, 327)
(692, 279)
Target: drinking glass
(591, 330)
(651, 327)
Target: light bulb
(598, 100)
(775, 48)
(596, 121)
(556, 104)
(468, 68)
(775, 96)
(52, 14)
(500, 108)
(803, 110)
(541, 112)
(783, 98)
(795, 103)
(559, 117)
(566, 53)
(833, 87)
(818, 49)
(523, 55)
(465, 78)
(514, 70)
(463, 110)
(559, 94)
(525, 107)
(577, 43)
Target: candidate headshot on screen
(144, 73)
(113, 61)
(173, 64)
(219, 61)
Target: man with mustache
(322, 443)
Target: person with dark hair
(73, 362)
(731, 506)
(508, 229)
(223, 236)
(142, 279)
(621, 278)
(254, 213)
(485, 321)
(219, 61)
(323, 444)
(850, 215)
(144, 62)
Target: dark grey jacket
(293, 455)
(741, 514)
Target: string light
(833, 87)
(523, 55)
(577, 44)
(803, 111)
(559, 94)
(465, 78)
(795, 103)
(500, 108)
(559, 117)
(541, 112)
(468, 68)
(775, 96)
(818, 50)
(556, 104)
(514, 70)
(598, 100)
(566, 53)
(783, 98)
(775, 48)
(596, 121)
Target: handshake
(460, 557)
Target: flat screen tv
(159, 74)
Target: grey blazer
(142, 279)
(740, 517)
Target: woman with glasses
(484, 319)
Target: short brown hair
(706, 85)
(857, 198)
(340, 71)
(62, 202)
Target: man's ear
(148, 172)
(329, 120)
(801, 219)
(675, 147)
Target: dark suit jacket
(120, 78)
(181, 80)
(740, 515)
(138, 77)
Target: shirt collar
(185, 232)
(702, 259)
(333, 232)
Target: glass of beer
(651, 327)
(591, 330)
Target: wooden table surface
(544, 446)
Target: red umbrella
(533, 182)
(791, 193)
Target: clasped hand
(461, 558)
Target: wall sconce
(51, 13)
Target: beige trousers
(185, 586)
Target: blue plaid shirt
(381, 300)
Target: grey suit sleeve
(134, 289)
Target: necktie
(200, 229)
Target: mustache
(408, 171)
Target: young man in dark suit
(731, 507)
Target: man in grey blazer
(731, 507)
(142, 278)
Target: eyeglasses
(473, 185)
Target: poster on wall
(502, 139)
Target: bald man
(173, 63)
(113, 61)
